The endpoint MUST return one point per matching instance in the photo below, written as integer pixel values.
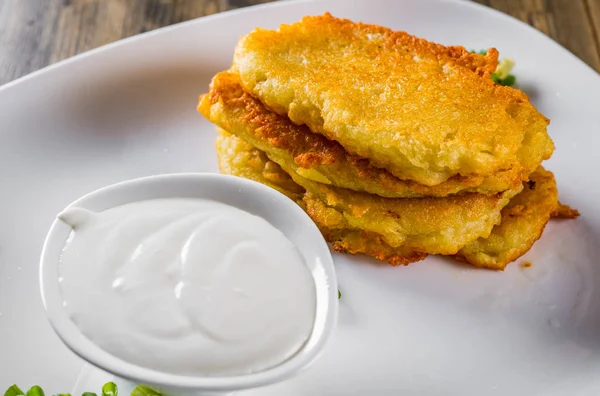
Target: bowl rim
(75, 340)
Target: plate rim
(281, 3)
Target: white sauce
(186, 286)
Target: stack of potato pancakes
(395, 146)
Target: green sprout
(501, 75)
(109, 389)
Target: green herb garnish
(14, 391)
(35, 391)
(109, 389)
(142, 390)
(502, 74)
(508, 81)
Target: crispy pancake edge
(322, 160)
(471, 148)
(523, 222)
(538, 201)
(426, 225)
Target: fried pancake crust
(356, 242)
(523, 221)
(318, 159)
(241, 159)
(423, 225)
(422, 111)
(427, 225)
(565, 212)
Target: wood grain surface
(36, 33)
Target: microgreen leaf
(13, 391)
(35, 391)
(110, 389)
(143, 390)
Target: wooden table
(36, 33)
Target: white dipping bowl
(255, 198)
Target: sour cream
(186, 286)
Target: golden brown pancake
(318, 159)
(523, 221)
(423, 225)
(423, 111)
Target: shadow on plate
(149, 99)
(557, 298)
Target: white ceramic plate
(433, 328)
